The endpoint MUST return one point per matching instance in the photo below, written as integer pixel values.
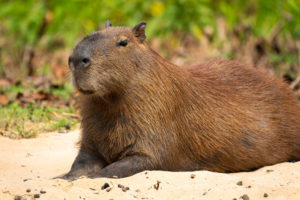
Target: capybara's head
(105, 61)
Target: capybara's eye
(122, 43)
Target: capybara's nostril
(85, 62)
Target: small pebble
(124, 189)
(67, 127)
(137, 190)
(43, 191)
(156, 186)
(266, 195)
(249, 186)
(240, 183)
(5, 191)
(193, 176)
(28, 190)
(245, 197)
(108, 189)
(36, 196)
(18, 197)
(204, 193)
(106, 185)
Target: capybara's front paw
(68, 176)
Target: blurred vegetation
(36, 36)
(30, 109)
(51, 24)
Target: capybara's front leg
(125, 167)
(84, 164)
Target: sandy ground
(29, 164)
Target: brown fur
(143, 113)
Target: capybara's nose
(81, 62)
(85, 62)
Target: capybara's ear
(108, 24)
(139, 31)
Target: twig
(66, 115)
(72, 115)
(56, 114)
(295, 83)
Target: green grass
(62, 91)
(26, 120)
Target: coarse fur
(141, 112)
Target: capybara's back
(251, 118)
(141, 112)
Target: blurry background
(37, 36)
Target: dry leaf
(3, 100)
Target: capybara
(141, 112)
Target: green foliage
(67, 20)
(22, 20)
(63, 91)
(59, 24)
(25, 120)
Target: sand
(27, 167)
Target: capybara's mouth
(86, 92)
